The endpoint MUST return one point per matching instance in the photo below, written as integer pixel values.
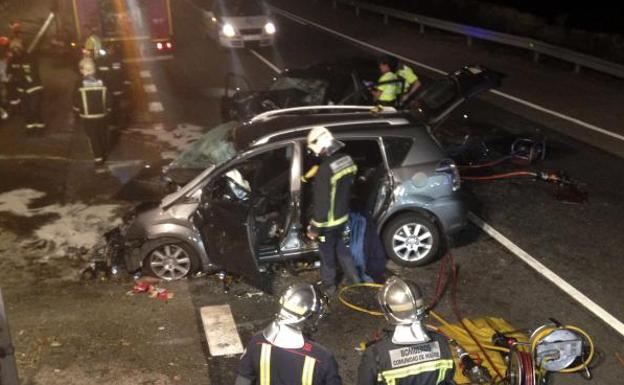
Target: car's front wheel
(411, 240)
(170, 259)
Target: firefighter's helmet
(320, 139)
(402, 301)
(301, 308)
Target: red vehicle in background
(143, 27)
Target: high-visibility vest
(389, 86)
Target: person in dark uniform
(14, 72)
(31, 90)
(110, 69)
(92, 103)
(331, 190)
(410, 355)
(282, 354)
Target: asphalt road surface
(54, 208)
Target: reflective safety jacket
(407, 74)
(91, 99)
(266, 364)
(390, 87)
(111, 70)
(429, 363)
(331, 191)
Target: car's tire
(170, 259)
(411, 240)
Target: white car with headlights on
(240, 23)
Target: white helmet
(319, 139)
(87, 67)
(301, 308)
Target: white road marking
(156, 107)
(581, 298)
(220, 329)
(146, 74)
(150, 88)
(570, 119)
(266, 61)
(540, 268)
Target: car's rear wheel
(170, 259)
(411, 240)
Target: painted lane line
(543, 270)
(156, 107)
(266, 61)
(560, 115)
(545, 110)
(220, 329)
(367, 45)
(150, 88)
(581, 298)
(145, 74)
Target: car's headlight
(228, 30)
(269, 28)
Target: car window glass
(265, 174)
(439, 93)
(214, 148)
(366, 153)
(397, 149)
(313, 88)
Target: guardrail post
(386, 18)
(469, 41)
(536, 56)
(8, 369)
(334, 5)
(577, 68)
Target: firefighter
(31, 90)
(331, 189)
(93, 43)
(4, 77)
(283, 353)
(409, 355)
(411, 83)
(389, 85)
(111, 70)
(14, 72)
(92, 103)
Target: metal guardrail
(8, 368)
(537, 47)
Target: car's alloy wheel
(411, 240)
(170, 262)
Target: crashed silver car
(247, 209)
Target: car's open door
(225, 226)
(437, 101)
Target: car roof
(293, 125)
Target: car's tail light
(448, 167)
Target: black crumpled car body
(335, 82)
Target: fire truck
(146, 23)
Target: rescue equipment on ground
(489, 350)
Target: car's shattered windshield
(314, 88)
(213, 149)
